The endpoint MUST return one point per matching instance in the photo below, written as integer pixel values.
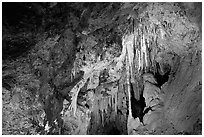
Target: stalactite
(73, 71)
(130, 50)
(148, 38)
(109, 101)
(136, 60)
(149, 60)
(102, 118)
(139, 60)
(121, 58)
(101, 107)
(141, 55)
(128, 85)
(116, 101)
(111, 98)
(145, 50)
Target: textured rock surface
(104, 68)
(184, 94)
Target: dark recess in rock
(137, 106)
(161, 78)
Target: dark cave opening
(137, 106)
(162, 78)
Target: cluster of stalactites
(140, 50)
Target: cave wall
(183, 94)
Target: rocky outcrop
(183, 95)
